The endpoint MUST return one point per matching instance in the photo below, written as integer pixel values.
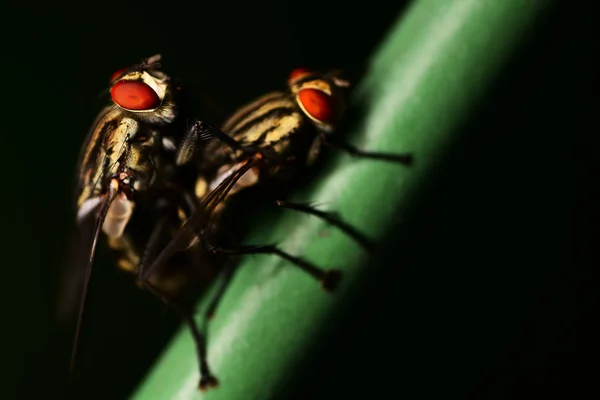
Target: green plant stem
(427, 75)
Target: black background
(503, 307)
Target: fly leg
(207, 380)
(201, 131)
(228, 272)
(405, 159)
(328, 278)
(331, 218)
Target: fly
(135, 184)
(269, 138)
(273, 136)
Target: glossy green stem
(430, 71)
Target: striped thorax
(287, 123)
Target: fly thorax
(142, 163)
(117, 145)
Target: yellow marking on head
(319, 84)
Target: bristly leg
(331, 218)
(405, 159)
(329, 279)
(207, 380)
(201, 131)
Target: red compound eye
(298, 73)
(118, 73)
(134, 95)
(317, 104)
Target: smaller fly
(267, 141)
(274, 136)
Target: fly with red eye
(287, 129)
(273, 136)
(135, 186)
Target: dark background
(503, 307)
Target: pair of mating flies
(155, 185)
